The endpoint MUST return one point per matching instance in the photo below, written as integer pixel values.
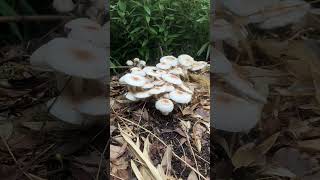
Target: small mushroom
(157, 90)
(176, 71)
(142, 63)
(137, 71)
(198, 65)
(163, 66)
(173, 61)
(129, 63)
(151, 71)
(169, 87)
(148, 85)
(173, 79)
(63, 6)
(185, 60)
(165, 106)
(131, 97)
(134, 80)
(180, 96)
(142, 95)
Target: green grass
(148, 28)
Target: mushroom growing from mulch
(80, 68)
(165, 82)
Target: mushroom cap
(151, 71)
(180, 96)
(142, 63)
(164, 105)
(63, 5)
(176, 71)
(129, 63)
(198, 65)
(173, 79)
(157, 90)
(160, 71)
(185, 60)
(38, 59)
(148, 85)
(131, 97)
(142, 95)
(185, 88)
(169, 87)
(95, 106)
(136, 60)
(134, 80)
(234, 114)
(173, 61)
(158, 82)
(84, 23)
(76, 58)
(96, 37)
(64, 109)
(163, 65)
(137, 71)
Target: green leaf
(122, 6)
(148, 19)
(147, 9)
(6, 10)
(153, 31)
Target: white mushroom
(38, 59)
(198, 65)
(142, 95)
(95, 106)
(169, 87)
(76, 58)
(186, 89)
(158, 82)
(173, 79)
(185, 60)
(148, 85)
(63, 6)
(173, 61)
(95, 36)
(131, 97)
(64, 109)
(151, 71)
(134, 80)
(180, 96)
(163, 65)
(157, 90)
(136, 60)
(176, 71)
(137, 71)
(129, 63)
(165, 106)
(142, 63)
(231, 113)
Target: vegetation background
(149, 29)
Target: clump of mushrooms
(164, 82)
(80, 68)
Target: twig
(8, 19)
(124, 119)
(102, 155)
(14, 159)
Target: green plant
(14, 8)
(151, 28)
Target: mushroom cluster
(79, 63)
(166, 82)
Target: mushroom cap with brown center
(76, 58)
(180, 96)
(173, 79)
(134, 80)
